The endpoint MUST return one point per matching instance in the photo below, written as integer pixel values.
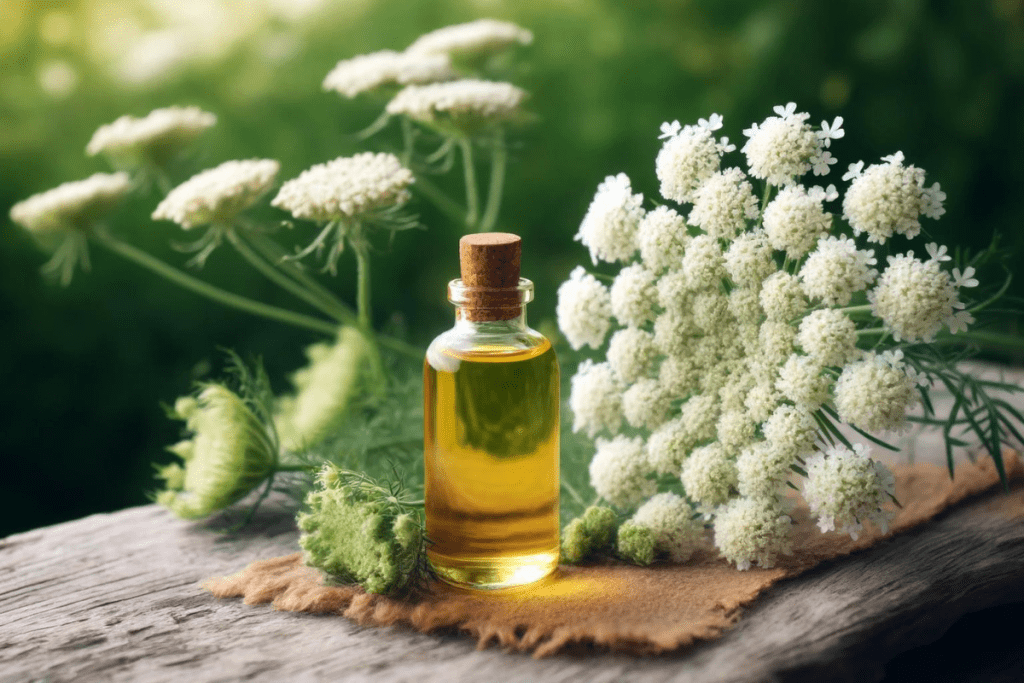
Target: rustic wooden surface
(116, 598)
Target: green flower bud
(355, 534)
(323, 390)
(229, 454)
(636, 544)
(590, 534)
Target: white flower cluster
(160, 132)
(736, 340)
(428, 60)
(348, 187)
(217, 195)
(71, 205)
(363, 73)
(464, 99)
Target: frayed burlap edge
(620, 607)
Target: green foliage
(359, 531)
(591, 534)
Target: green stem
(274, 253)
(1003, 341)
(217, 294)
(433, 194)
(363, 314)
(865, 308)
(276, 276)
(870, 330)
(499, 159)
(472, 198)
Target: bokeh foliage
(86, 367)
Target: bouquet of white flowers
(749, 329)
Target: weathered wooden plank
(116, 598)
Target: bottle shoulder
(459, 344)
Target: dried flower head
(672, 522)
(348, 187)
(752, 531)
(154, 137)
(217, 195)
(472, 38)
(230, 453)
(351, 77)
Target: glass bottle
(491, 428)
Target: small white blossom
(711, 310)
(709, 476)
(938, 252)
(723, 204)
(71, 205)
(762, 400)
(790, 429)
(837, 269)
(734, 430)
(584, 310)
(699, 415)
(959, 321)
(646, 404)
(471, 38)
(633, 295)
(351, 77)
(703, 263)
(674, 292)
(674, 332)
(795, 220)
(776, 342)
(914, 298)
(801, 381)
(782, 298)
(874, 394)
(829, 133)
(671, 519)
(712, 123)
(965, 279)
(662, 239)
(595, 399)
(217, 195)
(618, 471)
(685, 161)
(669, 130)
(679, 375)
(763, 470)
(885, 199)
(854, 171)
(346, 187)
(610, 225)
(631, 354)
(466, 101)
(932, 202)
(745, 306)
(155, 136)
(668, 446)
(828, 336)
(781, 148)
(748, 260)
(846, 487)
(752, 531)
(820, 164)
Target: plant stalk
(472, 197)
(217, 294)
(499, 159)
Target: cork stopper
(490, 270)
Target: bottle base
(491, 573)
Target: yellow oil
(491, 465)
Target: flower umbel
(230, 453)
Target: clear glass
(491, 448)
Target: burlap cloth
(641, 610)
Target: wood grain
(116, 598)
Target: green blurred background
(85, 368)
